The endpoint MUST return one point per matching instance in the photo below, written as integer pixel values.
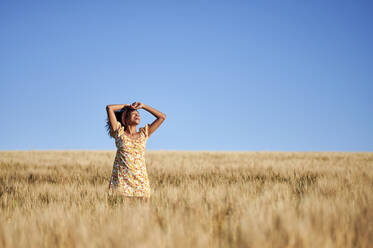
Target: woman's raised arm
(159, 115)
(111, 115)
(157, 122)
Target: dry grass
(200, 199)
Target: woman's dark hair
(118, 115)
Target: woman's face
(133, 118)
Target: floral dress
(129, 176)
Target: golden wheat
(200, 199)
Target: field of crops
(199, 199)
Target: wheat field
(199, 199)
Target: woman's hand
(137, 105)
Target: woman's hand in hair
(137, 105)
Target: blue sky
(229, 75)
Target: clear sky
(230, 75)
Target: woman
(129, 176)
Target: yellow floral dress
(129, 176)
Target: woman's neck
(131, 129)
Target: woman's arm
(154, 112)
(159, 115)
(110, 112)
(116, 106)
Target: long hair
(118, 115)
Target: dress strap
(146, 131)
(119, 131)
